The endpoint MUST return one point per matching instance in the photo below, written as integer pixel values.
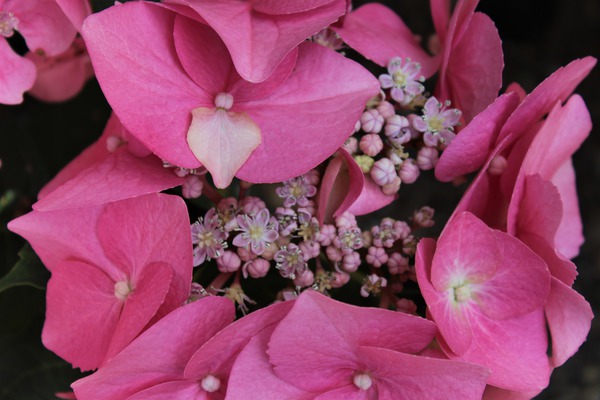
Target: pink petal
(286, 6)
(472, 76)
(58, 235)
(252, 376)
(173, 390)
(16, 75)
(76, 11)
(81, 314)
(146, 86)
(169, 343)
(44, 26)
(400, 375)
(296, 115)
(119, 176)
(261, 41)
(371, 198)
(222, 141)
(62, 77)
(569, 319)
(340, 187)
(494, 393)
(515, 363)
(569, 236)
(348, 391)
(386, 39)
(440, 13)
(557, 86)
(471, 147)
(149, 229)
(219, 353)
(150, 287)
(315, 345)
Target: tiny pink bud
(113, 143)
(245, 254)
(376, 256)
(229, 262)
(228, 203)
(313, 177)
(351, 262)
(256, 268)
(423, 218)
(371, 121)
(409, 171)
(306, 278)
(333, 253)
(351, 145)
(310, 249)
(394, 125)
(326, 234)
(402, 228)
(251, 205)
(371, 144)
(406, 306)
(427, 158)
(383, 172)
(397, 264)
(497, 165)
(339, 279)
(367, 238)
(392, 187)
(386, 109)
(345, 221)
(192, 187)
(357, 126)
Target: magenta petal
(286, 6)
(314, 346)
(386, 39)
(81, 314)
(341, 185)
(296, 116)
(150, 287)
(252, 376)
(348, 391)
(557, 86)
(76, 11)
(16, 75)
(173, 390)
(56, 235)
(119, 176)
(400, 375)
(371, 198)
(62, 77)
(169, 344)
(44, 26)
(471, 147)
(149, 229)
(144, 82)
(472, 76)
(569, 318)
(569, 235)
(219, 353)
(260, 41)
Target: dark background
(37, 139)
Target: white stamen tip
(210, 383)
(224, 100)
(363, 381)
(122, 290)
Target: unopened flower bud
(497, 165)
(394, 125)
(304, 279)
(383, 172)
(229, 262)
(376, 256)
(339, 279)
(256, 268)
(192, 187)
(409, 171)
(371, 121)
(427, 158)
(351, 145)
(364, 162)
(351, 262)
(371, 144)
(392, 187)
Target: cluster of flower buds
(400, 134)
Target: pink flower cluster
(218, 96)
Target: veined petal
(222, 141)
(17, 75)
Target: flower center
(436, 124)
(122, 290)
(362, 380)
(8, 23)
(224, 100)
(462, 293)
(210, 383)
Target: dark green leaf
(28, 271)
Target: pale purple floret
(437, 123)
(208, 238)
(290, 261)
(403, 79)
(296, 191)
(348, 240)
(8, 24)
(257, 232)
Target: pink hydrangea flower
(437, 123)
(403, 80)
(326, 349)
(257, 125)
(257, 232)
(115, 269)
